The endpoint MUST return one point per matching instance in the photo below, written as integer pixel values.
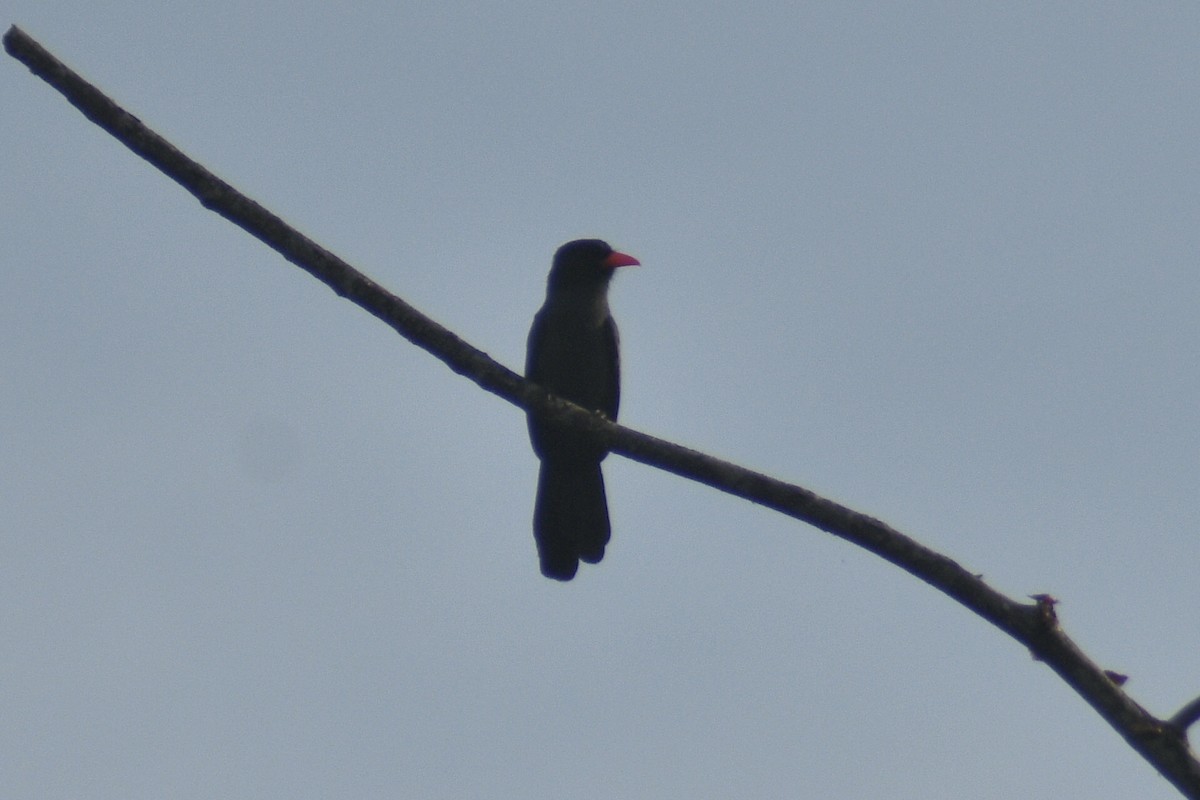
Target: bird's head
(586, 262)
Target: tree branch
(1186, 716)
(1034, 625)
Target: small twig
(1187, 716)
(1034, 625)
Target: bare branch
(1034, 625)
(1186, 716)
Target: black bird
(573, 353)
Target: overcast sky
(936, 261)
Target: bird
(573, 353)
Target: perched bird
(573, 353)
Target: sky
(935, 261)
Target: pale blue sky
(937, 261)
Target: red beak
(616, 259)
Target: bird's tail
(570, 518)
